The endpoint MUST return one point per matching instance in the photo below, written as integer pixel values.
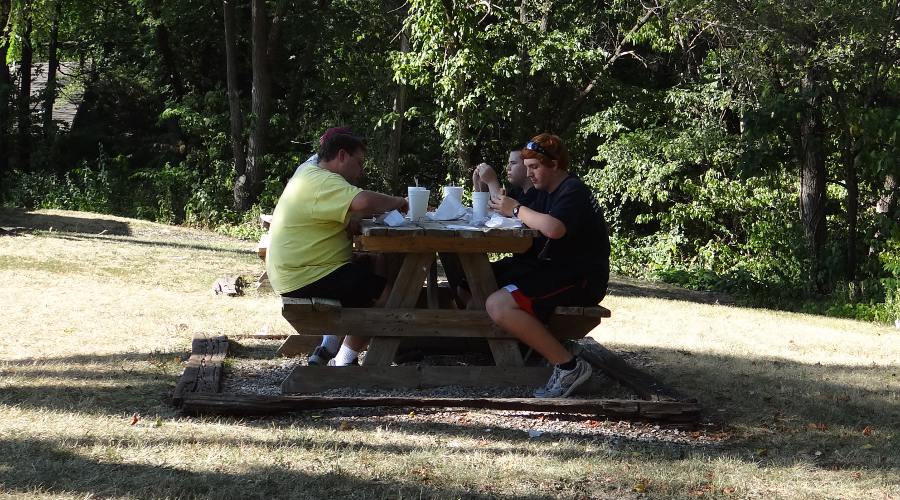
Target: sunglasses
(537, 148)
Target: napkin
(449, 209)
(392, 218)
(499, 221)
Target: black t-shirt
(523, 197)
(586, 242)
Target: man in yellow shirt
(310, 253)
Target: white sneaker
(333, 362)
(563, 382)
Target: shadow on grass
(627, 287)
(32, 465)
(160, 244)
(17, 217)
(788, 410)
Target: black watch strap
(515, 211)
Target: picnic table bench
(419, 246)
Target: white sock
(331, 343)
(345, 356)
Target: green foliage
(681, 115)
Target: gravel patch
(252, 368)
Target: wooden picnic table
(419, 245)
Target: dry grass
(99, 312)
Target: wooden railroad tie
(228, 404)
(203, 373)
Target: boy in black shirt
(520, 186)
(567, 265)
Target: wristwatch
(515, 211)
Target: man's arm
(547, 224)
(488, 177)
(369, 203)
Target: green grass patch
(96, 328)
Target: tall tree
(234, 103)
(6, 84)
(24, 101)
(50, 91)
(813, 196)
(167, 54)
(393, 165)
(264, 35)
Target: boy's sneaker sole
(319, 357)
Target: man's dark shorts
(354, 284)
(539, 286)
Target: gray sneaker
(563, 382)
(320, 356)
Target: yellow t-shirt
(308, 238)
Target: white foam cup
(480, 205)
(455, 192)
(418, 202)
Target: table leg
(480, 277)
(405, 293)
(455, 275)
(434, 301)
(482, 283)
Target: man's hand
(486, 174)
(404, 205)
(503, 204)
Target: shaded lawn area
(96, 328)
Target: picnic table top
(460, 228)
(456, 236)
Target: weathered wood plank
(404, 322)
(405, 294)
(381, 351)
(645, 385)
(305, 379)
(452, 244)
(203, 372)
(571, 327)
(506, 352)
(314, 304)
(480, 277)
(410, 279)
(432, 294)
(295, 345)
(229, 404)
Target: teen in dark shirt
(568, 265)
(520, 186)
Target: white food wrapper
(463, 227)
(499, 221)
(392, 219)
(449, 209)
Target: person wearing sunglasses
(568, 265)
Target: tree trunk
(24, 110)
(813, 196)
(529, 106)
(393, 166)
(888, 199)
(167, 55)
(848, 157)
(52, 67)
(6, 84)
(234, 104)
(261, 103)
(463, 137)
